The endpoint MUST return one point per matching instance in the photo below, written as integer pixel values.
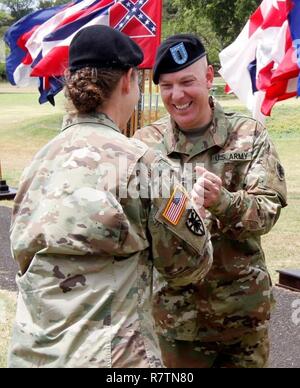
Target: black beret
(176, 53)
(103, 47)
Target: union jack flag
(40, 42)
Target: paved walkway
(285, 330)
(285, 324)
(8, 268)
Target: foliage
(227, 17)
(5, 19)
(190, 19)
(51, 3)
(18, 8)
(2, 72)
(224, 18)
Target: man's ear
(126, 81)
(210, 76)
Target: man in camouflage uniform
(86, 240)
(244, 190)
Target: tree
(51, 3)
(18, 8)
(227, 17)
(168, 9)
(5, 19)
(187, 17)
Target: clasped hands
(207, 190)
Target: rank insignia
(179, 54)
(176, 206)
(195, 224)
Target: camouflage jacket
(235, 297)
(86, 252)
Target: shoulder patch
(176, 206)
(195, 224)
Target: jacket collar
(92, 118)
(216, 135)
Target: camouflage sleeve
(153, 135)
(256, 209)
(180, 243)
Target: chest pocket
(232, 168)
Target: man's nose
(177, 93)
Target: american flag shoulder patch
(176, 206)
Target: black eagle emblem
(195, 224)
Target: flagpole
(150, 95)
(143, 98)
(6, 192)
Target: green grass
(282, 244)
(26, 126)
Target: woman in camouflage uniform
(84, 242)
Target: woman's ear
(127, 81)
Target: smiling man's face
(185, 94)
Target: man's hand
(207, 189)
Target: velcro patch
(176, 206)
(195, 224)
(232, 157)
